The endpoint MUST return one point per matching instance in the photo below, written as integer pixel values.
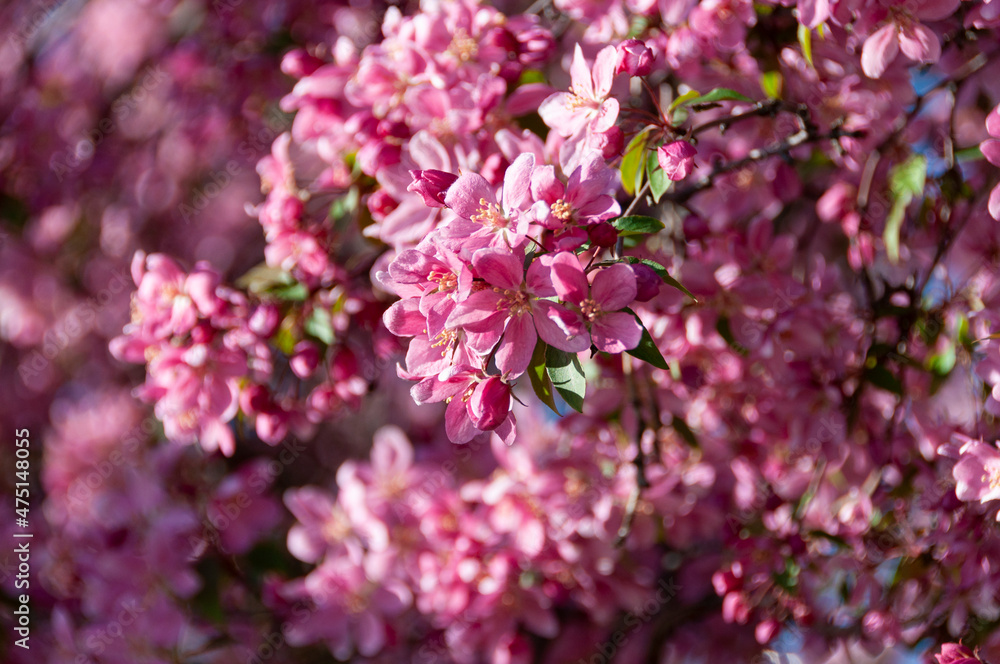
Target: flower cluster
(412, 545)
(747, 252)
(483, 289)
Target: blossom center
(463, 47)
(575, 101)
(446, 281)
(355, 603)
(188, 419)
(446, 338)
(562, 210)
(992, 477)
(590, 309)
(490, 214)
(517, 302)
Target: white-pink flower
(587, 104)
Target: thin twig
(801, 138)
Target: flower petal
(580, 73)
(616, 332)
(457, 423)
(919, 43)
(991, 150)
(879, 50)
(561, 328)
(568, 278)
(604, 71)
(517, 183)
(607, 115)
(499, 268)
(517, 345)
(993, 122)
(465, 195)
(994, 206)
(614, 287)
(478, 313)
(539, 279)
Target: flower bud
(647, 282)
(254, 399)
(489, 404)
(536, 45)
(634, 58)
(305, 359)
(381, 203)
(502, 38)
(676, 159)
(264, 320)
(299, 64)
(603, 235)
(431, 186)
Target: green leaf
(906, 181)
(320, 326)
(637, 225)
(717, 95)
(805, 40)
(684, 431)
(262, 278)
(770, 83)
(909, 177)
(631, 167)
(726, 332)
(943, 362)
(647, 350)
(265, 280)
(638, 26)
(683, 99)
(893, 224)
(540, 380)
(346, 204)
(284, 339)
(295, 293)
(659, 183)
(881, 377)
(566, 373)
(531, 76)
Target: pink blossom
(480, 215)
(587, 106)
(473, 399)
(585, 199)
(991, 150)
(905, 32)
(954, 653)
(977, 472)
(598, 316)
(510, 311)
(431, 185)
